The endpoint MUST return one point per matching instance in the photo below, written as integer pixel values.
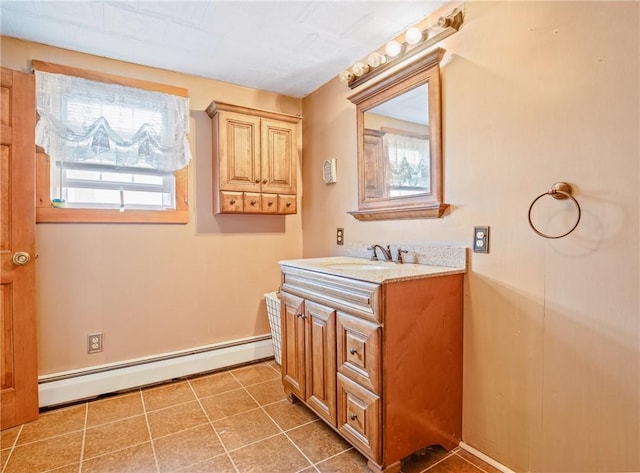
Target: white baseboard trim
(70, 386)
(485, 458)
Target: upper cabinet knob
(264, 181)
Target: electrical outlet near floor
(340, 236)
(94, 343)
(481, 239)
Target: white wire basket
(273, 311)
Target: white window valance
(88, 121)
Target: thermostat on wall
(329, 171)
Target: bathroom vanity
(375, 349)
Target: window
(116, 152)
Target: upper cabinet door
(239, 148)
(279, 156)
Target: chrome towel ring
(560, 191)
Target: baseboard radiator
(69, 386)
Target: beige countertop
(370, 271)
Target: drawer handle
(353, 416)
(253, 202)
(288, 204)
(353, 351)
(232, 201)
(270, 204)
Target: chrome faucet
(386, 252)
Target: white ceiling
(289, 47)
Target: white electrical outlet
(94, 343)
(481, 239)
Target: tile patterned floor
(235, 421)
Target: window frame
(46, 213)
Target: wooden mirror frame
(424, 70)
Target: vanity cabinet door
(359, 417)
(321, 360)
(359, 350)
(293, 337)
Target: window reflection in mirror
(399, 143)
(398, 161)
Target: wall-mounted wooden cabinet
(255, 154)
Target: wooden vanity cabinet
(255, 154)
(387, 356)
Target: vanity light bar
(415, 40)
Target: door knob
(21, 257)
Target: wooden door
(321, 360)
(279, 157)
(239, 152)
(18, 360)
(293, 336)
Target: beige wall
(533, 93)
(154, 289)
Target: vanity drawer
(359, 350)
(360, 298)
(269, 203)
(286, 204)
(231, 201)
(359, 417)
(252, 202)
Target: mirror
(399, 144)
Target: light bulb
(346, 76)
(359, 69)
(393, 48)
(413, 35)
(376, 59)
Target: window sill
(64, 215)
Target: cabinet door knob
(353, 351)
(288, 204)
(232, 201)
(270, 204)
(253, 202)
(353, 416)
(257, 181)
(264, 181)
